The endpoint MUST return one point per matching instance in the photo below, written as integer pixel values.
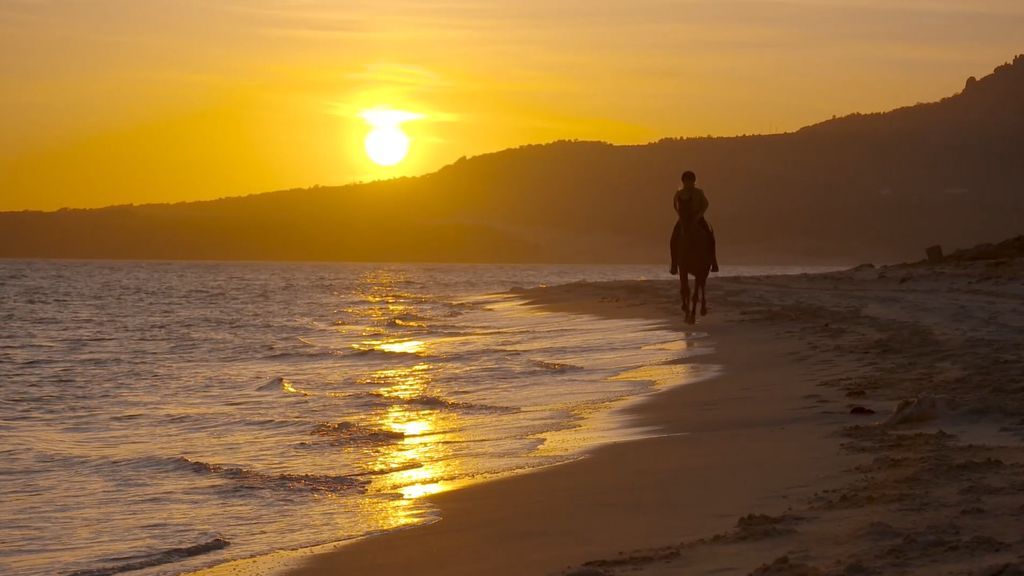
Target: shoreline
(615, 498)
(618, 419)
(764, 469)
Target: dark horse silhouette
(693, 255)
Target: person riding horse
(691, 204)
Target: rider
(691, 203)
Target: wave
(429, 401)
(280, 383)
(253, 480)
(141, 561)
(371, 350)
(556, 366)
(353, 433)
(434, 402)
(302, 355)
(400, 323)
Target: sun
(387, 144)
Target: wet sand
(792, 460)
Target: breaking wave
(253, 480)
(141, 561)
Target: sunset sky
(128, 101)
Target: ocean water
(159, 417)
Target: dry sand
(925, 364)
(774, 474)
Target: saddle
(695, 243)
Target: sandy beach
(795, 460)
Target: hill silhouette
(864, 187)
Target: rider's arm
(675, 201)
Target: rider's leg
(714, 251)
(704, 296)
(672, 250)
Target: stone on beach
(924, 408)
(783, 566)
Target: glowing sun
(387, 144)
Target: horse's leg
(691, 315)
(704, 295)
(684, 289)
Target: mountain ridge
(859, 187)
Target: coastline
(616, 498)
(763, 469)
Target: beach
(792, 461)
(333, 288)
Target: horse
(692, 247)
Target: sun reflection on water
(403, 347)
(418, 347)
(418, 464)
(421, 490)
(403, 383)
(410, 423)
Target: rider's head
(689, 177)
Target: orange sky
(127, 101)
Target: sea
(161, 417)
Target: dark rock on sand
(1008, 569)
(1011, 248)
(924, 408)
(858, 569)
(783, 566)
(758, 526)
(586, 571)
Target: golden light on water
(421, 490)
(419, 462)
(405, 383)
(386, 144)
(408, 423)
(419, 459)
(404, 347)
(420, 481)
(393, 346)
